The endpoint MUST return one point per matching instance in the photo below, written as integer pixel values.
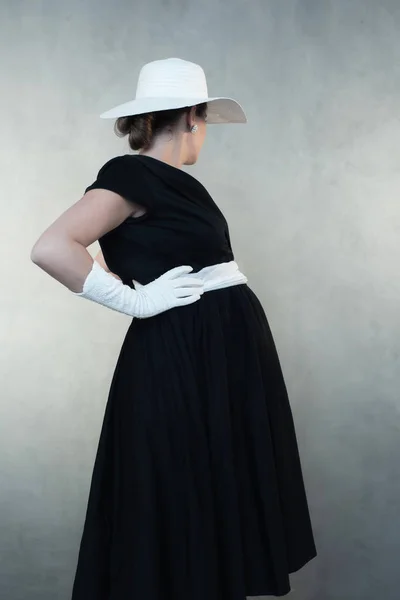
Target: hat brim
(220, 110)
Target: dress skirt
(197, 490)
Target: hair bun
(139, 128)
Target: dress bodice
(182, 224)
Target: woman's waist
(220, 276)
(214, 277)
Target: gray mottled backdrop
(311, 189)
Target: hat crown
(171, 78)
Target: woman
(197, 491)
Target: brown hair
(141, 129)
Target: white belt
(217, 277)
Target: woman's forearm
(66, 261)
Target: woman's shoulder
(125, 164)
(125, 176)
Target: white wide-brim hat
(176, 83)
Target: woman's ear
(191, 118)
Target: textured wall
(311, 189)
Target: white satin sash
(217, 277)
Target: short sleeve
(125, 176)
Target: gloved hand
(170, 290)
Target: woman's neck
(166, 150)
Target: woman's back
(182, 223)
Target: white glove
(170, 290)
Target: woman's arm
(61, 249)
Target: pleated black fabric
(197, 490)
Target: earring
(194, 128)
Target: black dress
(197, 490)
